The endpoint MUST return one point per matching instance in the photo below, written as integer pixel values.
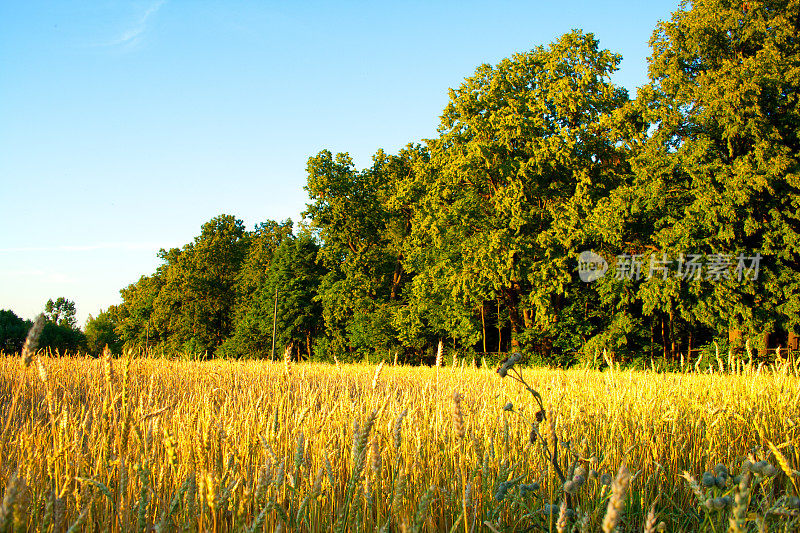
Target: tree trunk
(499, 329)
(672, 348)
(515, 321)
(527, 316)
(792, 341)
(734, 337)
(515, 318)
(689, 350)
(396, 277)
(483, 324)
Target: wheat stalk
(619, 489)
(377, 376)
(32, 340)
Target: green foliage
(293, 276)
(135, 315)
(363, 233)
(262, 243)
(522, 153)
(188, 303)
(716, 171)
(61, 312)
(198, 296)
(101, 331)
(13, 331)
(537, 159)
(61, 333)
(61, 338)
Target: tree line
(60, 332)
(493, 235)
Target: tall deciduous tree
(101, 331)
(197, 299)
(718, 172)
(517, 143)
(362, 236)
(293, 277)
(262, 243)
(135, 317)
(60, 332)
(61, 311)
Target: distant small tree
(61, 312)
(60, 332)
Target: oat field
(162, 445)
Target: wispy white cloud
(124, 246)
(133, 34)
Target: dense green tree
(537, 159)
(101, 331)
(262, 243)
(187, 305)
(716, 173)
(135, 324)
(196, 302)
(61, 311)
(521, 146)
(362, 235)
(60, 339)
(60, 332)
(13, 331)
(293, 277)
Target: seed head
(377, 376)
(397, 430)
(619, 489)
(695, 486)
(769, 470)
(376, 462)
(501, 491)
(561, 523)
(534, 432)
(458, 415)
(32, 340)
(650, 521)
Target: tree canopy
(685, 199)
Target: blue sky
(124, 126)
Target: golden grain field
(142, 445)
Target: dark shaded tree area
(473, 238)
(60, 334)
(13, 331)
